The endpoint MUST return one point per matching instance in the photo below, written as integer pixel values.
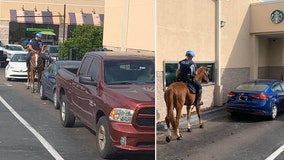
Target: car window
(94, 70)
(16, 48)
(252, 86)
(49, 68)
(85, 63)
(276, 88)
(19, 58)
(129, 71)
(53, 50)
(282, 85)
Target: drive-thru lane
(225, 137)
(41, 139)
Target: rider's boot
(198, 101)
(28, 65)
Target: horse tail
(170, 100)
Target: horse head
(36, 60)
(202, 74)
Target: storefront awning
(40, 17)
(48, 33)
(85, 18)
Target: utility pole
(64, 19)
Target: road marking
(44, 142)
(276, 153)
(6, 84)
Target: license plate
(243, 98)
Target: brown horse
(36, 66)
(176, 95)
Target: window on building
(170, 71)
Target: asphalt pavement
(206, 115)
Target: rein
(36, 65)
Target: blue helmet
(39, 35)
(189, 53)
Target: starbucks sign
(276, 16)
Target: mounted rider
(186, 73)
(35, 45)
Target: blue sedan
(48, 82)
(259, 97)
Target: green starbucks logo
(276, 16)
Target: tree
(84, 38)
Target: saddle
(191, 87)
(188, 81)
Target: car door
(79, 95)
(281, 94)
(91, 91)
(49, 82)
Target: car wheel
(274, 112)
(55, 102)
(41, 92)
(104, 144)
(8, 79)
(67, 118)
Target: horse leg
(169, 135)
(38, 82)
(199, 116)
(28, 80)
(32, 88)
(178, 116)
(188, 111)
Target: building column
(125, 15)
(218, 100)
(4, 31)
(60, 34)
(254, 40)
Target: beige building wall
(251, 46)
(183, 25)
(130, 25)
(261, 22)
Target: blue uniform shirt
(36, 45)
(186, 66)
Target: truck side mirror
(88, 80)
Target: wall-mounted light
(23, 8)
(48, 9)
(222, 23)
(82, 12)
(35, 9)
(93, 11)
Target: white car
(11, 49)
(17, 68)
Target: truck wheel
(41, 92)
(55, 102)
(67, 118)
(104, 144)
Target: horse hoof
(201, 126)
(168, 139)
(179, 138)
(188, 130)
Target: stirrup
(198, 104)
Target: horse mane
(200, 69)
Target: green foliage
(84, 38)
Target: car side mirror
(88, 80)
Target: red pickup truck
(112, 93)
